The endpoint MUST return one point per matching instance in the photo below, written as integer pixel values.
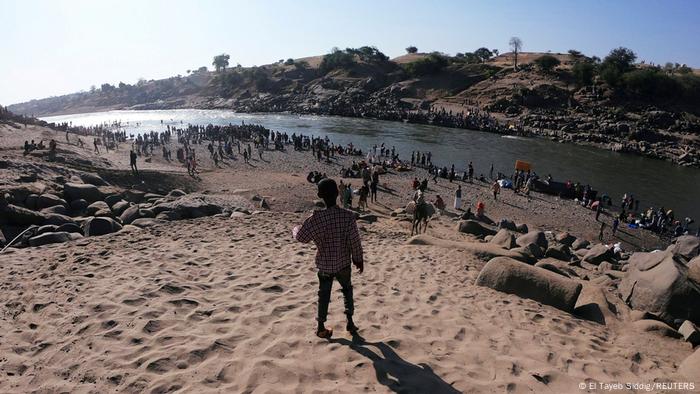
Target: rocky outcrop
(659, 283)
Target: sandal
(324, 333)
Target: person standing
(132, 161)
(615, 225)
(334, 231)
(598, 209)
(495, 188)
(458, 198)
(602, 229)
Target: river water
(654, 182)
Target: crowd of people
(224, 142)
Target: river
(654, 182)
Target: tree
(618, 62)
(289, 62)
(547, 63)
(583, 73)
(336, 59)
(202, 69)
(621, 59)
(93, 89)
(122, 85)
(495, 52)
(221, 62)
(470, 58)
(575, 55)
(106, 87)
(483, 53)
(516, 44)
(411, 49)
(431, 64)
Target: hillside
(642, 109)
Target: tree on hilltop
(516, 45)
(221, 62)
(547, 63)
(484, 54)
(411, 49)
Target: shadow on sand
(395, 373)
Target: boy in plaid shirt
(335, 234)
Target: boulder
(533, 237)
(100, 226)
(190, 207)
(96, 206)
(593, 304)
(507, 224)
(70, 228)
(522, 228)
(152, 196)
(133, 195)
(130, 214)
(147, 222)
(93, 179)
(504, 238)
(32, 201)
(52, 238)
(655, 327)
(513, 277)
(532, 250)
(580, 243)
(549, 266)
(690, 332)
(105, 212)
(658, 283)
(49, 200)
(59, 209)
(172, 215)
(599, 253)
(79, 205)
(13, 214)
(475, 228)
(48, 228)
(687, 246)
(113, 199)
(119, 207)
(234, 215)
(694, 270)
(58, 219)
(176, 193)
(559, 252)
(565, 238)
(690, 367)
(75, 191)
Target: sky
(54, 47)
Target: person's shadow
(395, 373)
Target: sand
(223, 304)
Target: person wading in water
(334, 231)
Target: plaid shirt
(335, 234)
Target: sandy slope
(231, 309)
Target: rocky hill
(641, 109)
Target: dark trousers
(325, 284)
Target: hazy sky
(54, 47)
